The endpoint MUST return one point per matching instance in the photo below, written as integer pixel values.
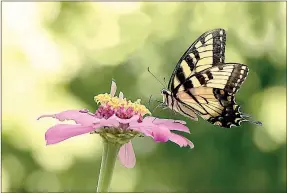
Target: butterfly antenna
(155, 77)
(164, 82)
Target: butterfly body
(173, 103)
(202, 84)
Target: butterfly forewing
(207, 51)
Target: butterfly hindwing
(217, 106)
(185, 110)
(230, 114)
(207, 51)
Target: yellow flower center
(116, 102)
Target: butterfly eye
(164, 92)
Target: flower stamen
(120, 106)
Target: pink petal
(127, 155)
(143, 130)
(160, 133)
(180, 140)
(169, 123)
(121, 95)
(62, 132)
(79, 116)
(110, 122)
(156, 120)
(113, 88)
(176, 126)
(124, 121)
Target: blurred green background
(59, 55)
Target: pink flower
(117, 121)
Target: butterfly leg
(157, 107)
(154, 119)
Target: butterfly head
(166, 94)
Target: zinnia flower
(117, 121)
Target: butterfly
(202, 84)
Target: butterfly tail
(248, 118)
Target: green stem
(107, 166)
